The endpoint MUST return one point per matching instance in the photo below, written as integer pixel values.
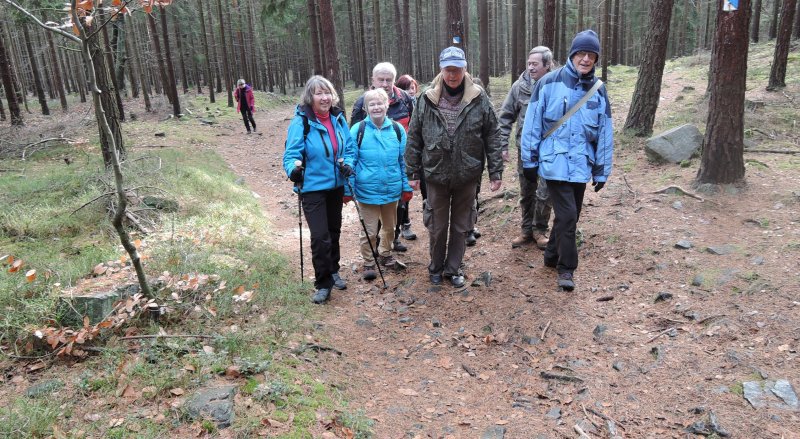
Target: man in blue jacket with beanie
(576, 152)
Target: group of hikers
(439, 141)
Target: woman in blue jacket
(318, 136)
(380, 177)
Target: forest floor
(655, 342)
(654, 338)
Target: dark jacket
(401, 106)
(513, 110)
(315, 150)
(459, 159)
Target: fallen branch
(666, 331)
(25, 149)
(630, 189)
(544, 331)
(580, 431)
(772, 151)
(316, 348)
(605, 417)
(554, 376)
(589, 417)
(92, 201)
(12, 170)
(469, 370)
(756, 130)
(677, 189)
(137, 337)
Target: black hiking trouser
(323, 212)
(247, 116)
(567, 200)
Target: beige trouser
(372, 213)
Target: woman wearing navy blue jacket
(318, 136)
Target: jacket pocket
(432, 158)
(427, 214)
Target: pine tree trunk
(549, 29)
(133, 71)
(518, 51)
(176, 106)
(242, 64)
(355, 62)
(562, 27)
(103, 75)
(642, 112)
(57, 82)
(120, 53)
(777, 74)
(483, 30)
(225, 66)
(151, 23)
(419, 46)
(37, 79)
(109, 55)
(398, 32)
(615, 35)
(2, 111)
(465, 21)
(773, 24)
(209, 77)
(534, 14)
(606, 39)
(7, 72)
(329, 31)
(722, 160)
(376, 14)
(137, 62)
(796, 32)
(78, 71)
(313, 29)
(406, 48)
(364, 64)
(181, 58)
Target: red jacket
(251, 100)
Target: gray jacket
(514, 108)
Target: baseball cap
(452, 57)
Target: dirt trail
(522, 356)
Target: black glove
(531, 174)
(297, 175)
(346, 171)
(598, 185)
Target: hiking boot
(321, 295)
(369, 273)
(471, 239)
(521, 240)
(565, 281)
(338, 282)
(405, 230)
(541, 239)
(399, 246)
(435, 278)
(387, 261)
(248, 131)
(550, 262)
(476, 233)
(457, 281)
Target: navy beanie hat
(586, 40)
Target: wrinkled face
(376, 108)
(584, 61)
(412, 90)
(536, 67)
(453, 76)
(322, 100)
(383, 80)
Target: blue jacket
(315, 150)
(378, 163)
(582, 148)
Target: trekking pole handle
(298, 163)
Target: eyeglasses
(581, 54)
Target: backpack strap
(362, 128)
(306, 126)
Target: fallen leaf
(115, 422)
(177, 391)
(15, 266)
(233, 372)
(189, 368)
(208, 349)
(99, 269)
(92, 417)
(501, 422)
(408, 392)
(30, 276)
(445, 363)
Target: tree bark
(777, 74)
(37, 79)
(109, 59)
(483, 30)
(58, 83)
(534, 14)
(549, 25)
(137, 63)
(642, 112)
(615, 35)
(606, 41)
(773, 23)
(225, 65)
(796, 32)
(562, 28)
(329, 31)
(376, 13)
(209, 76)
(6, 72)
(406, 51)
(181, 58)
(455, 23)
(722, 160)
(756, 20)
(151, 24)
(518, 51)
(364, 63)
(176, 106)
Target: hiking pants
(374, 214)
(448, 217)
(323, 212)
(567, 201)
(247, 116)
(535, 205)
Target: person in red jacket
(246, 103)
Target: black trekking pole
(299, 186)
(363, 226)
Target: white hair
(385, 67)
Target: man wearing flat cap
(454, 132)
(567, 150)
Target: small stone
(435, 289)
(494, 432)
(436, 322)
(697, 410)
(721, 250)
(365, 322)
(783, 390)
(531, 340)
(599, 330)
(161, 134)
(406, 320)
(698, 280)
(618, 366)
(754, 393)
(554, 413)
(684, 244)
(44, 388)
(239, 181)
(714, 424)
(663, 296)
(677, 205)
(700, 428)
(215, 404)
(758, 260)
